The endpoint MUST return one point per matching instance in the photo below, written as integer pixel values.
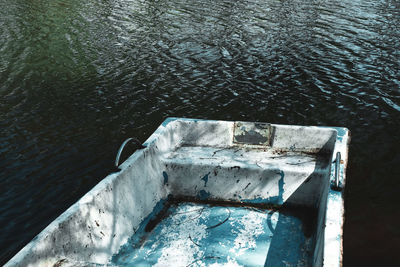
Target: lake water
(78, 77)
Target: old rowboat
(209, 193)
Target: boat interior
(206, 193)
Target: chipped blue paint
(135, 241)
(209, 235)
(280, 184)
(335, 195)
(205, 179)
(165, 175)
(279, 198)
(203, 195)
(168, 120)
(341, 133)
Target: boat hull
(209, 192)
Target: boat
(209, 193)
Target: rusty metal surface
(252, 133)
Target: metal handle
(122, 147)
(337, 172)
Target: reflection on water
(77, 77)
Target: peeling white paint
(230, 263)
(199, 159)
(252, 228)
(180, 237)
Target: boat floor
(199, 234)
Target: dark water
(78, 77)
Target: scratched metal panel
(252, 133)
